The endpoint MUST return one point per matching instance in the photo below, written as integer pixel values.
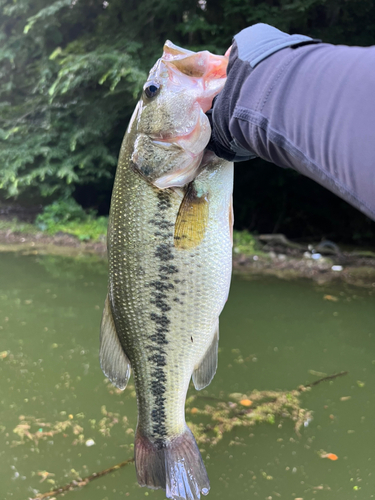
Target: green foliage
(14, 226)
(90, 229)
(60, 211)
(71, 70)
(64, 88)
(68, 217)
(245, 243)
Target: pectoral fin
(205, 371)
(113, 360)
(192, 219)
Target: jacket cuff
(259, 41)
(216, 144)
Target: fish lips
(172, 162)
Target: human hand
(250, 47)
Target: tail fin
(174, 465)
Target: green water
(273, 334)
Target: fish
(170, 260)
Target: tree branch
(82, 482)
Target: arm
(310, 108)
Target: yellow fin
(192, 219)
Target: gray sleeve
(310, 108)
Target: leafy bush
(91, 229)
(59, 212)
(244, 242)
(68, 217)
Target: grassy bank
(70, 233)
(95, 229)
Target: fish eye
(151, 89)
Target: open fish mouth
(171, 128)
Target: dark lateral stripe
(160, 298)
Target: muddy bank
(323, 261)
(346, 266)
(360, 272)
(58, 244)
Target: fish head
(169, 124)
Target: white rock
(316, 256)
(90, 442)
(337, 268)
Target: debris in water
(330, 297)
(45, 474)
(246, 402)
(330, 456)
(337, 268)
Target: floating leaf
(331, 298)
(246, 402)
(330, 456)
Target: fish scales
(165, 301)
(169, 251)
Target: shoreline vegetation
(253, 255)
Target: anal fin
(113, 360)
(205, 371)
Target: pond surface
(274, 335)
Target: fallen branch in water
(82, 482)
(324, 379)
(280, 239)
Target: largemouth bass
(170, 251)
